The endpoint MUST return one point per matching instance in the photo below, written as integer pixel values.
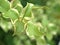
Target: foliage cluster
(29, 22)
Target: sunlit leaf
(19, 27)
(5, 25)
(4, 6)
(28, 9)
(12, 14)
(14, 3)
(32, 30)
(41, 41)
(19, 7)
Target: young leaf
(4, 6)
(32, 30)
(28, 9)
(19, 27)
(19, 7)
(12, 14)
(14, 3)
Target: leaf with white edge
(32, 30)
(12, 14)
(19, 7)
(19, 27)
(28, 9)
(14, 3)
(4, 6)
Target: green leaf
(44, 20)
(19, 7)
(27, 42)
(19, 27)
(41, 41)
(16, 41)
(5, 25)
(14, 3)
(4, 6)
(12, 14)
(32, 30)
(49, 36)
(28, 9)
(52, 28)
